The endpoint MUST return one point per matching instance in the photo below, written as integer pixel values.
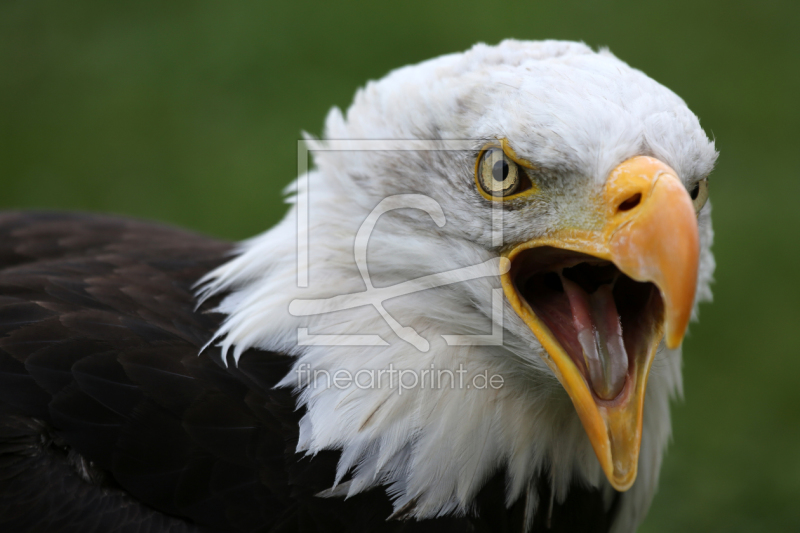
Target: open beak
(601, 300)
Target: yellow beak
(649, 231)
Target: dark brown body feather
(111, 422)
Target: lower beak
(649, 232)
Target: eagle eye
(498, 175)
(699, 194)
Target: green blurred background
(189, 112)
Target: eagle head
(533, 213)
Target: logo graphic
(376, 296)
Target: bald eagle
(469, 320)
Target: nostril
(631, 202)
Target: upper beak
(648, 229)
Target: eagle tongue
(597, 323)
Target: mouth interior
(603, 319)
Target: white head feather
(572, 111)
